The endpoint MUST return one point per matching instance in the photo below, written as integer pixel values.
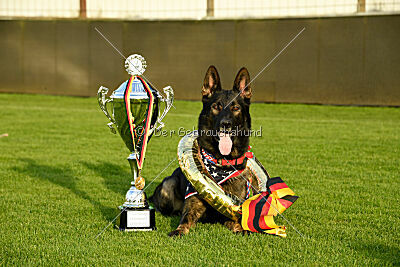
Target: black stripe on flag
(257, 212)
(275, 180)
(290, 198)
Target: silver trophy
(136, 116)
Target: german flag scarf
(258, 211)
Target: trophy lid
(135, 65)
(138, 91)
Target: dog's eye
(235, 108)
(216, 107)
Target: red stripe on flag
(285, 203)
(264, 212)
(277, 186)
(267, 205)
(252, 214)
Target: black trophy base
(137, 219)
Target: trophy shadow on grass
(115, 177)
(62, 176)
(118, 180)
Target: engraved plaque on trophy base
(137, 219)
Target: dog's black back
(225, 113)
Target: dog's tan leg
(234, 226)
(193, 210)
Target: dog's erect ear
(241, 83)
(212, 83)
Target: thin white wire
(122, 55)
(266, 66)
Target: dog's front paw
(180, 231)
(234, 227)
(245, 233)
(175, 233)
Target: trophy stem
(136, 214)
(134, 166)
(135, 197)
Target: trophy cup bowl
(136, 115)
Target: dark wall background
(341, 60)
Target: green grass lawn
(63, 174)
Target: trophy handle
(169, 92)
(101, 97)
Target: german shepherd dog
(223, 111)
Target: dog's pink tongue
(225, 144)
